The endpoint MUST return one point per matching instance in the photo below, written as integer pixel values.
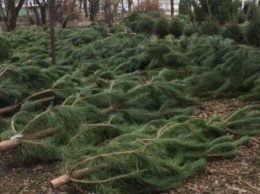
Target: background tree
(12, 10)
(2, 12)
(66, 10)
(35, 10)
(52, 29)
(130, 2)
(43, 5)
(184, 7)
(147, 6)
(108, 12)
(172, 7)
(222, 10)
(93, 9)
(85, 7)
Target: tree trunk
(66, 178)
(72, 9)
(43, 15)
(107, 7)
(9, 110)
(85, 7)
(52, 28)
(172, 7)
(12, 21)
(123, 9)
(130, 2)
(4, 17)
(43, 7)
(11, 144)
(114, 11)
(12, 13)
(94, 8)
(36, 14)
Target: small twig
(106, 180)
(105, 155)
(248, 184)
(3, 71)
(255, 140)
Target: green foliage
(176, 59)
(240, 17)
(253, 12)
(210, 28)
(42, 151)
(121, 103)
(222, 11)
(191, 29)
(5, 48)
(85, 36)
(253, 33)
(102, 28)
(162, 27)
(146, 25)
(184, 7)
(223, 63)
(155, 14)
(176, 27)
(153, 55)
(132, 20)
(234, 32)
(245, 121)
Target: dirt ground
(240, 175)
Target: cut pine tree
(11, 144)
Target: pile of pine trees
(117, 108)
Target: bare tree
(12, 12)
(130, 2)
(43, 5)
(69, 8)
(3, 13)
(110, 8)
(107, 8)
(94, 8)
(35, 10)
(123, 8)
(52, 28)
(115, 4)
(85, 7)
(172, 7)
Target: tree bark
(130, 2)
(43, 8)
(12, 13)
(123, 9)
(107, 7)
(94, 8)
(85, 7)
(65, 21)
(172, 7)
(11, 144)
(52, 28)
(13, 108)
(66, 178)
(36, 14)
(115, 8)
(4, 16)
